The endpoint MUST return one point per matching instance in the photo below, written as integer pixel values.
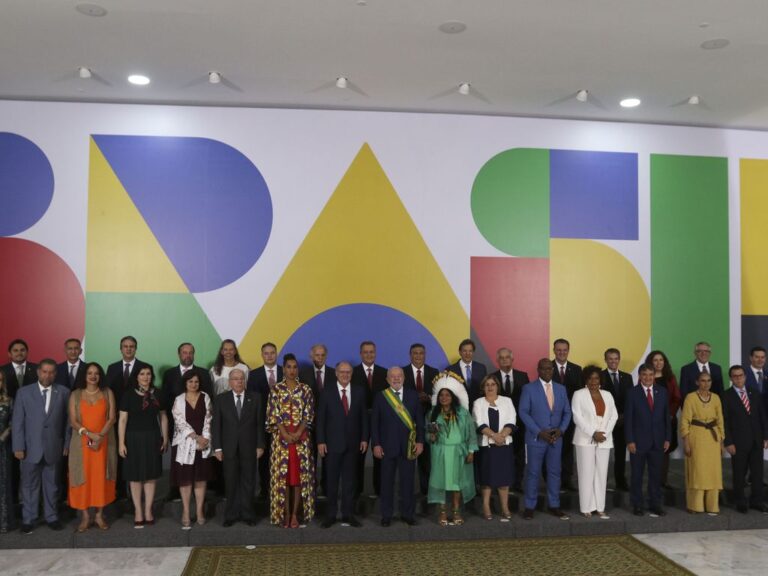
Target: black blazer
(62, 374)
(307, 376)
(741, 429)
(572, 377)
(258, 382)
(378, 381)
(690, 372)
(342, 432)
(237, 438)
(478, 373)
(518, 379)
(172, 385)
(619, 395)
(114, 377)
(428, 373)
(12, 382)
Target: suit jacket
(535, 412)
(572, 377)
(231, 434)
(690, 372)
(478, 373)
(62, 374)
(342, 432)
(619, 394)
(762, 391)
(172, 385)
(648, 430)
(388, 431)
(13, 384)
(428, 373)
(585, 418)
(518, 379)
(307, 376)
(258, 380)
(39, 434)
(378, 381)
(114, 377)
(741, 429)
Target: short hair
(612, 351)
(267, 345)
(503, 349)
(367, 343)
(466, 342)
(320, 345)
(561, 341)
(135, 378)
(489, 378)
(645, 368)
(756, 349)
(68, 340)
(288, 357)
(48, 361)
(340, 362)
(18, 341)
(417, 345)
(702, 343)
(178, 350)
(189, 374)
(587, 371)
(733, 369)
(393, 369)
(131, 338)
(82, 381)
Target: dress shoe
(528, 514)
(558, 513)
(657, 513)
(623, 486)
(55, 525)
(637, 511)
(352, 521)
(228, 523)
(760, 508)
(26, 528)
(385, 522)
(328, 522)
(742, 508)
(409, 521)
(568, 486)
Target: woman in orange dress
(92, 452)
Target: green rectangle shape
(689, 257)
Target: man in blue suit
(397, 435)
(690, 372)
(545, 410)
(648, 430)
(472, 372)
(756, 376)
(342, 429)
(41, 435)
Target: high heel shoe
(101, 523)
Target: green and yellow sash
(405, 416)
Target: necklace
(92, 393)
(707, 401)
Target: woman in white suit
(594, 414)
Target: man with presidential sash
(397, 435)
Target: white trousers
(592, 469)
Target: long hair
(4, 388)
(437, 410)
(82, 381)
(666, 372)
(219, 363)
(134, 381)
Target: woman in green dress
(451, 432)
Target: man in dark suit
(397, 435)
(419, 377)
(19, 371)
(40, 437)
(746, 436)
(71, 372)
(472, 372)
(690, 372)
(648, 430)
(261, 381)
(756, 376)
(569, 375)
(512, 386)
(619, 384)
(373, 379)
(342, 435)
(238, 442)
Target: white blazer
(585, 418)
(507, 415)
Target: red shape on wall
(509, 307)
(42, 300)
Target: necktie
(507, 385)
(469, 376)
(344, 401)
(615, 377)
(271, 377)
(45, 400)
(397, 393)
(704, 369)
(238, 406)
(550, 396)
(649, 396)
(71, 376)
(760, 380)
(319, 379)
(419, 381)
(745, 400)
(562, 374)
(126, 373)
(20, 375)
(370, 378)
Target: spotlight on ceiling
(91, 10)
(694, 100)
(464, 88)
(630, 103)
(138, 79)
(341, 82)
(84, 72)
(582, 95)
(214, 77)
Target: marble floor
(736, 553)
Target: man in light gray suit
(41, 433)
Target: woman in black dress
(6, 452)
(191, 463)
(143, 437)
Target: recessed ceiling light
(694, 100)
(630, 102)
(91, 10)
(341, 82)
(84, 72)
(452, 27)
(715, 44)
(582, 95)
(214, 77)
(703, 24)
(464, 88)
(138, 79)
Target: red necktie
(562, 374)
(319, 379)
(419, 381)
(370, 378)
(344, 401)
(649, 395)
(745, 400)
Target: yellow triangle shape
(122, 253)
(364, 247)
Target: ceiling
(522, 57)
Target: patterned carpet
(573, 556)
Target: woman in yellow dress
(702, 430)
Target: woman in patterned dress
(290, 416)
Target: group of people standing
(457, 430)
